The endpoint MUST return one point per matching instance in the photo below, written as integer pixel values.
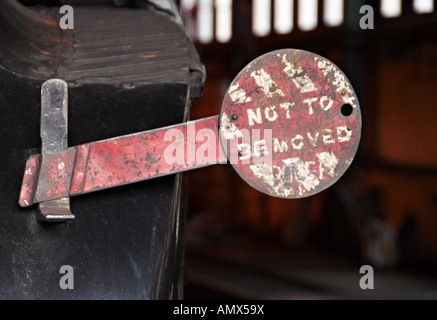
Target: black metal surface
(124, 243)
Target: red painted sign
(290, 125)
(295, 120)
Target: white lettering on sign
(300, 144)
(280, 147)
(299, 141)
(326, 103)
(327, 136)
(307, 174)
(238, 95)
(297, 75)
(265, 82)
(254, 117)
(244, 151)
(309, 102)
(313, 140)
(260, 148)
(271, 113)
(344, 133)
(287, 106)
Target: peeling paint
(302, 172)
(237, 94)
(266, 84)
(228, 129)
(327, 161)
(339, 80)
(297, 75)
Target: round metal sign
(290, 123)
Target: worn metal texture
(55, 175)
(54, 116)
(296, 121)
(123, 160)
(56, 168)
(30, 180)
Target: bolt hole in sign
(290, 123)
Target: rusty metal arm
(118, 161)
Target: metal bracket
(54, 137)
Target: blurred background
(242, 244)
